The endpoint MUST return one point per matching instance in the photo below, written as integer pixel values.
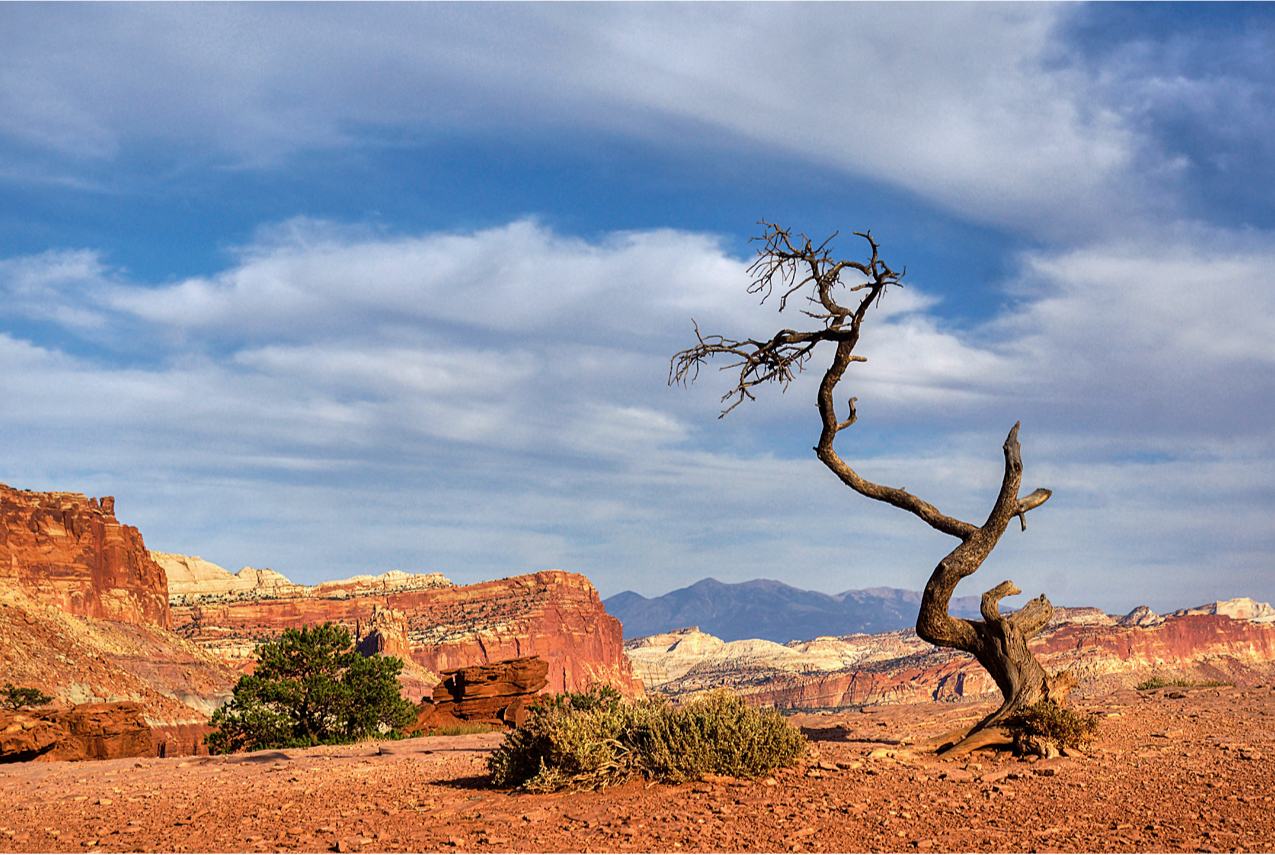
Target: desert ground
(1176, 770)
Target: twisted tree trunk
(998, 642)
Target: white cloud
(493, 402)
(963, 105)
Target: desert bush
(16, 697)
(1161, 683)
(1056, 723)
(311, 687)
(595, 739)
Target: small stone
(769, 782)
(1047, 771)
(827, 765)
(103, 802)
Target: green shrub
(1057, 723)
(17, 697)
(1161, 683)
(594, 740)
(310, 687)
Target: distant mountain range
(764, 608)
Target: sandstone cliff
(69, 551)
(1102, 651)
(554, 615)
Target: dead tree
(793, 265)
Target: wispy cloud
(505, 390)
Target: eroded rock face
(1103, 653)
(554, 615)
(69, 551)
(81, 660)
(84, 732)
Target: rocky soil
(1173, 770)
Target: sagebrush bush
(594, 740)
(1051, 721)
(1161, 683)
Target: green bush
(310, 687)
(594, 740)
(1057, 723)
(1161, 683)
(17, 697)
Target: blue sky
(342, 289)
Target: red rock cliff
(554, 615)
(69, 551)
(897, 667)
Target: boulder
(497, 693)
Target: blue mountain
(764, 608)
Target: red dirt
(1172, 770)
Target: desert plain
(1171, 770)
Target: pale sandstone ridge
(192, 580)
(1241, 608)
(1102, 651)
(193, 576)
(69, 551)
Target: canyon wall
(69, 551)
(1102, 651)
(554, 615)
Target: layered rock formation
(1102, 651)
(69, 551)
(498, 693)
(81, 660)
(84, 732)
(554, 615)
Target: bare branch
(1031, 618)
(990, 604)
